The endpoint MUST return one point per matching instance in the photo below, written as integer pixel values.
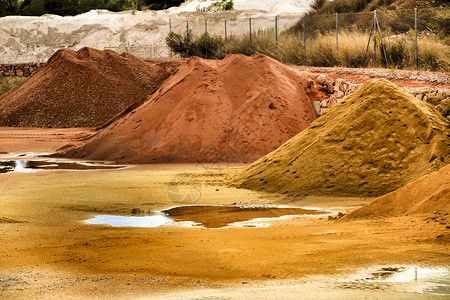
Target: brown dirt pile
(425, 195)
(80, 89)
(234, 110)
(376, 140)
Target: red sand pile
(234, 110)
(80, 89)
(425, 195)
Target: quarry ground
(51, 253)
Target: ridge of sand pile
(80, 89)
(424, 195)
(374, 141)
(234, 110)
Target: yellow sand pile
(373, 142)
(427, 194)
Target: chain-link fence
(396, 39)
(153, 51)
(345, 39)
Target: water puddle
(205, 216)
(221, 216)
(121, 221)
(22, 165)
(412, 278)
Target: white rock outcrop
(142, 33)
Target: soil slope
(80, 89)
(376, 140)
(425, 195)
(234, 110)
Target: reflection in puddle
(418, 279)
(204, 216)
(385, 273)
(121, 221)
(260, 225)
(221, 216)
(7, 166)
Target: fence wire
(346, 39)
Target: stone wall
(25, 69)
(339, 88)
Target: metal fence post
(226, 39)
(337, 33)
(187, 30)
(170, 31)
(187, 36)
(374, 37)
(206, 39)
(416, 60)
(304, 37)
(276, 33)
(383, 48)
(250, 27)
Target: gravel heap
(80, 89)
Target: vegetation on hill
(74, 7)
(347, 6)
(355, 19)
(218, 5)
(9, 82)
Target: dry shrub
(321, 50)
(432, 54)
(9, 82)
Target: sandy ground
(51, 253)
(40, 140)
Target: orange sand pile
(373, 142)
(234, 110)
(425, 195)
(80, 89)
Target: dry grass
(9, 82)
(321, 50)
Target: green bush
(218, 5)
(206, 46)
(74, 7)
(8, 7)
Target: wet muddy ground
(23, 165)
(49, 251)
(205, 216)
(220, 216)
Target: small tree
(180, 44)
(317, 4)
(8, 7)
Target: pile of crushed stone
(80, 89)
(234, 110)
(373, 142)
